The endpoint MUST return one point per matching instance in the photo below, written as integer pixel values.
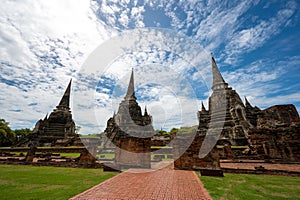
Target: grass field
(244, 187)
(28, 182)
(70, 155)
(106, 155)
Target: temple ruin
(56, 130)
(130, 131)
(269, 134)
(272, 133)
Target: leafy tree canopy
(7, 136)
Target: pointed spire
(217, 77)
(65, 100)
(247, 103)
(130, 95)
(145, 113)
(46, 117)
(203, 107)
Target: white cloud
(249, 39)
(15, 100)
(42, 45)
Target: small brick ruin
(130, 131)
(50, 156)
(189, 158)
(277, 134)
(56, 130)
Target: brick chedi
(56, 130)
(227, 115)
(130, 131)
(272, 133)
(211, 120)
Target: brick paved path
(159, 184)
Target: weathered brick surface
(189, 159)
(138, 184)
(131, 132)
(281, 142)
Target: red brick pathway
(138, 184)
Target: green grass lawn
(28, 182)
(70, 155)
(106, 155)
(246, 186)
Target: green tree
(174, 131)
(77, 129)
(162, 132)
(7, 136)
(21, 133)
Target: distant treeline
(8, 137)
(181, 130)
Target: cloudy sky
(43, 44)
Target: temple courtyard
(230, 154)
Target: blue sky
(43, 44)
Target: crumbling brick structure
(273, 133)
(130, 132)
(277, 134)
(56, 130)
